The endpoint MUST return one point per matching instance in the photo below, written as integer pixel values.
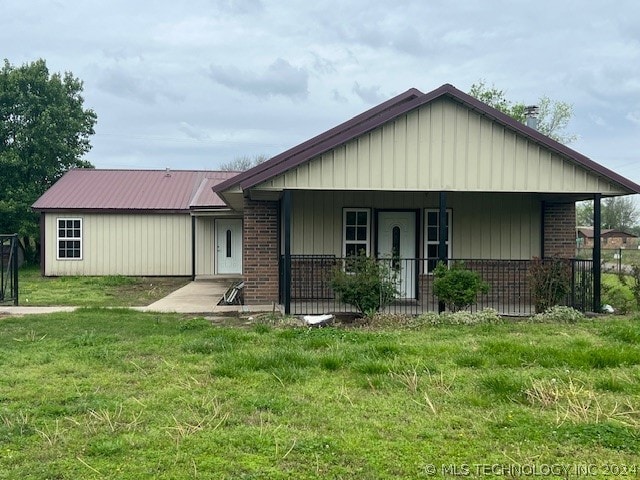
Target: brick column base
(260, 255)
(559, 230)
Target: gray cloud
(143, 89)
(280, 78)
(368, 94)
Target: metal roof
(388, 111)
(166, 190)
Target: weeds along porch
(510, 292)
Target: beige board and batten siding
(442, 146)
(205, 245)
(124, 244)
(485, 225)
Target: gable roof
(606, 232)
(392, 109)
(156, 190)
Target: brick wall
(559, 230)
(260, 260)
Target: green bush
(550, 281)
(618, 295)
(457, 287)
(633, 283)
(365, 283)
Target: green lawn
(106, 291)
(123, 394)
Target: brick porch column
(559, 220)
(260, 256)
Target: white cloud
(634, 117)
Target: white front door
(397, 242)
(228, 245)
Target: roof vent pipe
(167, 172)
(531, 115)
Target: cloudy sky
(196, 83)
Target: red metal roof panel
(93, 189)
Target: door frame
(417, 226)
(215, 244)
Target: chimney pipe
(531, 115)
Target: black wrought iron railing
(509, 285)
(9, 269)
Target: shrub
(550, 281)
(365, 283)
(633, 283)
(484, 317)
(457, 287)
(618, 296)
(558, 314)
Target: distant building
(611, 238)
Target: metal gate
(9, 269)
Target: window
(356, 231)
(228, 243)
(70, 238)
(432, 236)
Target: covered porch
(497, 235)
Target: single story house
(139, 222)
(419, 178)
(610, 237)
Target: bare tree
(242, 163)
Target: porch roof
(407, 110)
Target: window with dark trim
(69, 239)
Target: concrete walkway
(199, 297)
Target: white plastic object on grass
(317, 320)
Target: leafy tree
(584, 214)
(44, 131)
(617, 212)
(553, 116)
(242, 163)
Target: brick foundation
(559, 230)
(260, 259)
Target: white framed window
(69, 238)
(432, 236)
(356, 231)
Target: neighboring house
(419, 177)
(611, 238)
(138, 222)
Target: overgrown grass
(112, 291)
(122, 394)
